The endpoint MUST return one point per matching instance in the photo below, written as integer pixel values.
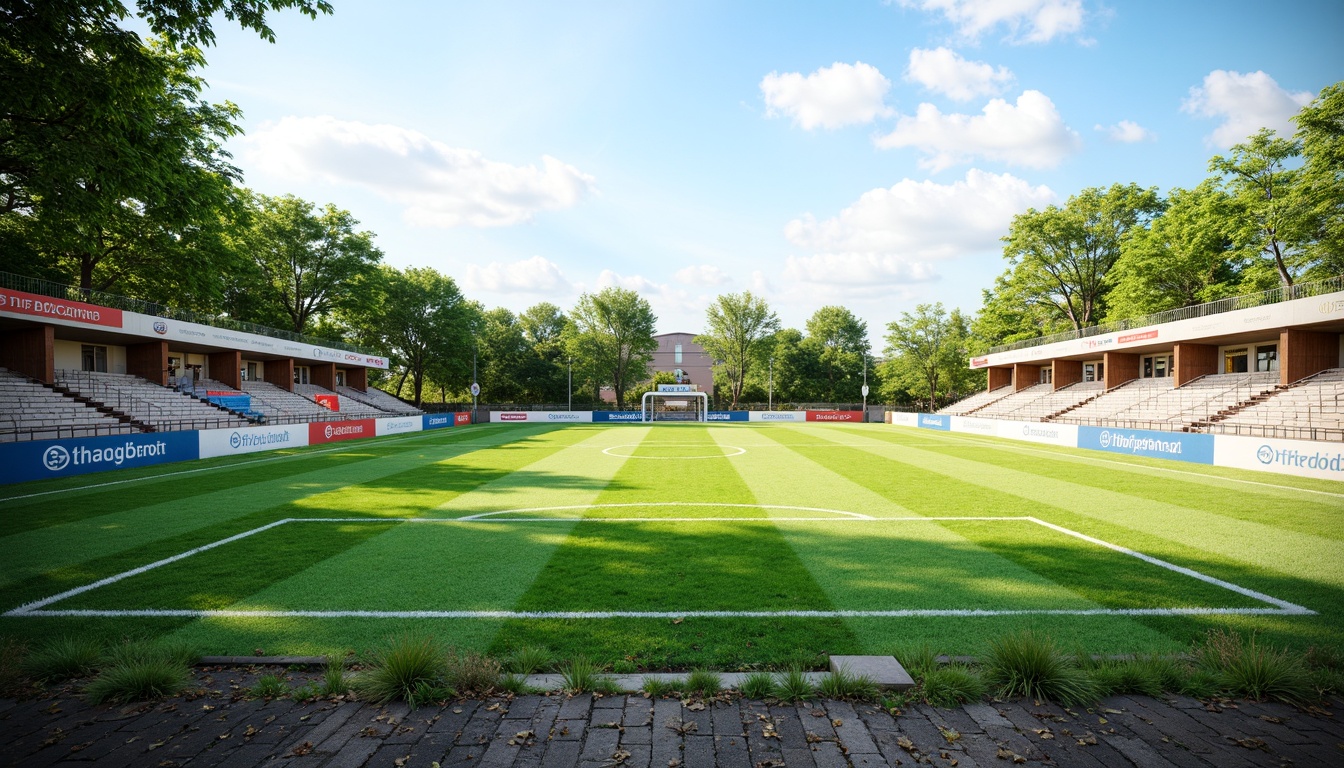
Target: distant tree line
(113, 177)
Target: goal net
(675, 406)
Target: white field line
(1262, 597)
(343, 447)
(1283, 607)
(971, 439)
(911, 613)
(608, 451)
(670, 504)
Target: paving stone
(387, 755)
(853, 734)
(524, 707)
(727, 719)
(789, 725)
(599, 745)
(608, 702)
(353, 755)
(638, 711)
(639, 756)
(480, 728)
(453, 717)
(828, 755)
(793, 757)
(576, 707)
(699, 751)
(666, 742)
(563, 754)
(886, 671)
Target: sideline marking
(1281, 607)
(627, 505)
(608, 450)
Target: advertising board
(834, 415)
(1181, 446)
(903, 419)
(938, 421)
(331, 431)
(227, 442)
(974, 426)
(728, 416)
(41, 459)
(461, 419)
(437, 420)
(545, 417)
(1040, 432)
(398, 425)
(1303, 458)
(61, 310)
(777, 416)
(618, 416)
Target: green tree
(1187, 256)
(1320, 129)
(797, 367)
(1269, 215)
(506, 357)
(611, 339)
(422, 321)
(305, 263)
(1061, 257)
(740, 329)
(547, 377)
(838, 343)
(927, 355)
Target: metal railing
(1230, 304)
(72, 293)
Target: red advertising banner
(330, 402)
(1138, 336)
(460, 419)
(331, 431)
(835, 415)
(511, 417)
(20, 303)
(979, 362)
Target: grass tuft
(704, 682)
(529, 660)
(137, 679)
(1254, 670)
(269, 687)
(1139, 676)
(334, 680)
(758, 685)
(952, 685)
(472, 673)
(512, 683)
(1027, 664)
(409, 668)
(64, 658)
(918, 660)
(793, 686)
(13, 661)
(581, 674)
(657, 687)
(843, 684)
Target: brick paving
(219, 728)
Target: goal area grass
(675, 546)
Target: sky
(868, 154)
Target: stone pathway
(630, 730)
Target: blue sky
(867, 154)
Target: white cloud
(702, 274)
(893, 236)
(943, 70)
(1245, 103)
(534, 275)
(834, 96)
(1127, 132)
(1027, 21)
(1030, 133)
(439, 185)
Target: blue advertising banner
(1180, 446)
(935, 421)
(437, 420)
(729, 416)
(42, 459)
(618, 416)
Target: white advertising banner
(1304, 458)
(549, 417)
(975, 426)
(1040, 432)
(902, 419)
(227, 442)
(778, 416)
(396, 426)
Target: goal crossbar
(649, 405)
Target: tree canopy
(739, 329)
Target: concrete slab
(886, 671)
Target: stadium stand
(350, 408)
(157, 408)
(967, 406)
(1052, 403)
(282, 407)
(1312, 409)
(32, 411)
(999, 409)
(1156, 404)
(381, 400)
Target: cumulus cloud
(832, 97)
(896, 236)
(943, 70)
(535, 275)
(1245, 104)
(702, 274)
(1026, 21)
(439, 185)
(1029, 133)
(1127, 132)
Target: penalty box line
(1281, 607)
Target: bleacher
(976, 401)
(380, 400)
(1001, 408)
(32, 411)
(1106, 408)
(1157, 404)
(158, 408)
(1310, 409)
(1052, 403)
(346, 406)
(283, 407)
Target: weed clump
(64, 658)
(952, 685)
(1026, 664)
(409, 668)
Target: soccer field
(676, 546)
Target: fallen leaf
(223, 736)
(302, 749)
(1110, 711)
(837, 722)
(1044, 733)
(677, 621)
(401, 761)
(208, 707)
(1087, 740)
(1272, 719)
(1251, 743)
(950, 734)
(250, 732)
(906, 744)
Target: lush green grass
(558, 534)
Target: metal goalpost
(649, 410)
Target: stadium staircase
(969, 405)
(283, 407)
(349, 407)
(31, 410)
(151, 407)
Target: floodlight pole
(571, 382)
(475, 346)
(865, 388)
(771, 405)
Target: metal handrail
(74, 293)
(1230, 304)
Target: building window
(1156, 367)
(1094, 371)
(676, 354)
(93, 358)
(1267, 358)
(340, 378)
(250, 374)
(300, 374)
(1047, 375)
